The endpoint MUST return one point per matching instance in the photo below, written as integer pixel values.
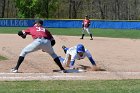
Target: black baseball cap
(86, 15)
(39, 21)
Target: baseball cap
(39, 21)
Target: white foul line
(70, 76)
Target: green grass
(10, 30)
(114, 33)
(2, 58)
(61, 86)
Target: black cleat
(63, 47)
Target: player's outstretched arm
(94, 66)
(92, 61)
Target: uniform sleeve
(89, 23)
(49, 35)
(88, 53)
(82, 23)
(26, 31)
(92, 61)
(90, 57)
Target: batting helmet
(80, 48)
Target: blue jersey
(74, 55)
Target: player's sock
(91, 36)
(20, 60)
(57, 61)
(82, 36)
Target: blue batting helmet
(80, 48)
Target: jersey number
(40, 29)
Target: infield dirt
(112, 54)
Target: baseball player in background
(42, 40)
(85, 27)
(77, 52)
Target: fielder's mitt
(20, 33)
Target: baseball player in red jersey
(42, 40)
(85, 27)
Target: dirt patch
(113, 54)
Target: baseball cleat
(63, 47)
(91, 39)
(13, 70)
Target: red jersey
(86, 23)
(38, 32)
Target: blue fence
(63, 23)
(71, 23)
(117, 24)
(16, 22)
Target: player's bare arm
(68, 61)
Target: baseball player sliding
(42, 40)
(85, 27)
(77, 52)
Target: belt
(41, 38)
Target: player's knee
(24, 53)
(89, 33)
(53, 55)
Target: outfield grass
(62, 86)
(114, 33)
(2, 58)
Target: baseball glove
(20, 33)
